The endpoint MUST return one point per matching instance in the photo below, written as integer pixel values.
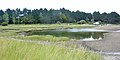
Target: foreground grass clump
(16, 50)
(43, 38)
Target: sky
(88, 6)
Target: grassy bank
(16, 50)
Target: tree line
(44, 16)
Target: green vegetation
(63, 33)
(43, 38)
(44, 16)
(4, 24)
(14, 50)
(82, 22)
(15, 31)
(5, 17)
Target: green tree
(1, 13)
(51, 16)
(40, 17)
(6, 17)
(96, 16)
(14, 20)
(64, 18)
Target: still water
(78, 34)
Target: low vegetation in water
(43, 38)
(16, 50)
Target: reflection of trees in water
(73, 35)
(97, 35)
(81, 35)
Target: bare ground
(110, 43)
(109, 27)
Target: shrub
(4, 24)
(81, 22)
(90, 22)
(58, 22)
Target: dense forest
(44, 16)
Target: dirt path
(109, 45)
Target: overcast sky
(73, 5)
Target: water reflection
(73, 34)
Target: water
(77, 34)
(83, 30)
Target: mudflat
(110, 42)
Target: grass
(43, 38)
(16, 50)
(7, 34)
(23, 27)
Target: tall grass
(15, 50)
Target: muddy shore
(110, 43)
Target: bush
(90, 22)
(81, 22)
(58, 22)
(4, 24)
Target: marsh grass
(7, 34)
(43, 38)
(16, 50)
